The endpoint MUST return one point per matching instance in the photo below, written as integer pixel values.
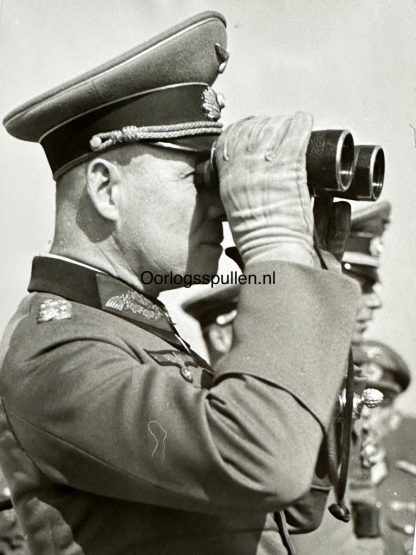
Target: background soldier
(394, 461)
(361, 259)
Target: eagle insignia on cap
(373, 371)
(376, 246)
(135, 303)
(54, 309)
(212, 104)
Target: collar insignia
(372, 371)
(54, 309)
(138, 304)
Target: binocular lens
(345, 160)
(330, 161)
(334, 167)
(378, 173)
(368, 179)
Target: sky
(351, 64)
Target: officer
(394, 471)
(115, 436)
(361, 259)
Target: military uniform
(119, 439)
(12, 540)
(361, 261)
(394, 471)
(397, 490)
(115, 437)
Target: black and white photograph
(208, 299)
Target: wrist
(284, 252)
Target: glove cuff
(289, 252)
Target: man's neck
(101, 261)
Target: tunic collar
(89, 286)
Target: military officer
(361, 259)
(394, 471)
(115, 436)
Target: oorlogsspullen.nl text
(187, 280)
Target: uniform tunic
(397, 490)
(117, 439)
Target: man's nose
(373, 300)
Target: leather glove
(261, 166)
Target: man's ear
(103, 186)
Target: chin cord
(134, 134)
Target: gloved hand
(261, 166)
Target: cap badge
(211, 104)
(54, 309)
(225, 319)
(376, 246)
(372, 371)
(135, 303)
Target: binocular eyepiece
(334, 167)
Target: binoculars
(334, 165)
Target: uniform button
(187, 374)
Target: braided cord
(133, 134)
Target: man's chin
(357, 337)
